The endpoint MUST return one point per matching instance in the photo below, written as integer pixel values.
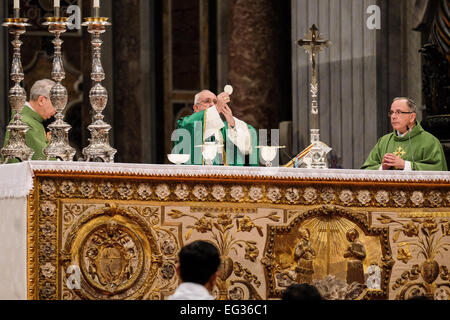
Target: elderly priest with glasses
(409, 147)
(213, 122)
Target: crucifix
(316, 157)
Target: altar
(77, 230)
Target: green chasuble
(419, 147)
(36, 138)
(190, 134)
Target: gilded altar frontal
(233, 150)
(99, 236)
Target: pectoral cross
(400, 152)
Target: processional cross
(314, 44)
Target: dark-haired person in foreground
(409, 147)
(301, 291)
(197, 269)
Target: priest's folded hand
(391, 160)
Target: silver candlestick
(99, 147)
(59, 146)
(17, 147)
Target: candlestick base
(17, 147)
(99, 147)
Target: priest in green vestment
(38, 109)
(236, 138)
(409, 147)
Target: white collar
(29, 106)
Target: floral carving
(237, 193)
(382, 197)
(400, 198)
(218, 192)
(328, 195)
(246, 224)
(182, 191)
(168, 247)
(403, 253)
(168, 271)
(87, 189)
(48, 290)
(48, 187)
(364, 197)
(435, 198)
(48, 270)
(445, 228)
(428, 244)
(48, 209)
(251, 251)
(125, 190)
(441, 294)
(255, 193)
(274, 194)
(200, 192)
(245, 273)
(106, 189)
(144, 191)
(224, 220)
(67, 188)
(417, 198)
(163, 191)
(47, 229)
(310, 195)
(346, 196)
(292, 195)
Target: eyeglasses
(208, 101)
(398, 113)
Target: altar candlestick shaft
(56, 3)
(16, 4)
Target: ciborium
(59, 146)
(99, 147)
(17, 147)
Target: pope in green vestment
(409, 144)
(237, 139)
(36, 137)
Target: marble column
(256, 58)
(133, 80)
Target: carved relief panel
(100, 237)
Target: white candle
(16, 4)
(56, 3)
(96, 4)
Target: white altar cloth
(16, 180)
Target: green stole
(35, 138)
(419, 147)
(190, 133)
